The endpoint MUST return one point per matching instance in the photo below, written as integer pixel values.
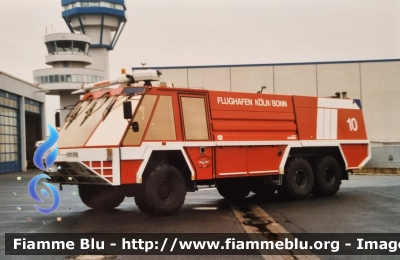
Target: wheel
(327, 176)
(233, 189)
(100, 197)
(141, 203)
(298, 180)
(164, 190)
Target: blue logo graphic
(43, 148)
(38, 161)
(32, 192)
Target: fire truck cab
(157, 143)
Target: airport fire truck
(158, 143)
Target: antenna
(262, 88)
(143, 64)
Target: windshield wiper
(89, 112)
(73, 117)
(109, 108)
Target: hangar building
(375, 82)
(21, 122)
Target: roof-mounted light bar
(138, 75)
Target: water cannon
(147, 76)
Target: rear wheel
(298, 180)
(164, 190)
(327, 176)
(100, 197)
(233, 189)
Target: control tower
(103, 21)
(82, 55)
(68, 54)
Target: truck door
(196, 133)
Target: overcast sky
(214, 32)
(211, 32)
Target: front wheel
(164, 190)
(141, 203)
(100, 197)
(298, 180)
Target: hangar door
(33, 129)
(9, 129)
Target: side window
(162, 125)
(194, 118)
(142, 117)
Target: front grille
(75, 173)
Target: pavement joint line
(273, 227)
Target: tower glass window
(78, 78)
(87, 48)
(64, 46)
(51, 47)
(79, 47)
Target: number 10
(352, 124)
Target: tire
(327, 177)
(100, 197)
(141, 203)
(233, 189)
(164, 190)
(298, 180)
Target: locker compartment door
(231, 161)
(262, 160)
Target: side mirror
(135, 126)
(127, 110)
(58, 124)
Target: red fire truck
(158, 143)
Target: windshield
(92, 120)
